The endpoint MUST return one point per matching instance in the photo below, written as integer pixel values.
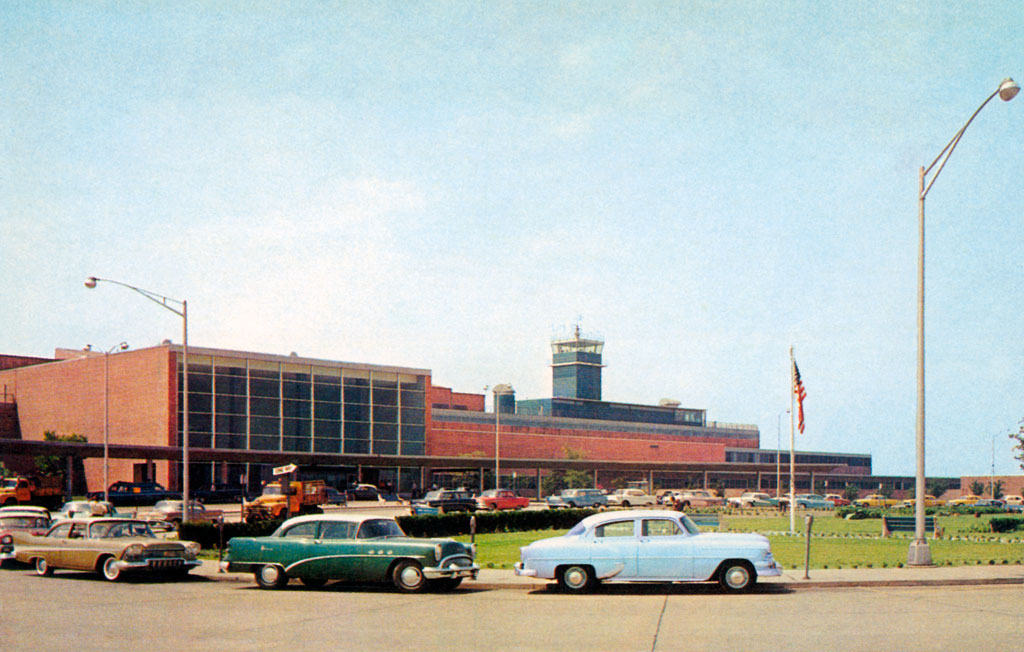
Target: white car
(630, 498)
(647, 546)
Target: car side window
(330, 530)
(660, 528)
(77, 531)
(61, 531)
(615, 529)
(306, 530)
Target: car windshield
(170, 505)
(379, 528)
(432, 495)
(689, 525)
(120, 529)
(489, 493)
(17, 521)
(10, 483)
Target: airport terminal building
(355, 422)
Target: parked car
(334, 497)
(168, 514)
(809, 501)
(28, 521)
(220, 493)
(495, 499)
(698, 498)
(110, 546)
(630, 498)
(837, 500)
(967, 499)
(577, 498)
(664, 496)
(929, 501)
(123, 493)
(323, 547)
(647, 546)
(990, 502)
(84, 509)
(21, 509)
(446, 500)
(1014, 503)
(753, 499)
(876, 500)
(363, 492)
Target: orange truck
(47, 491)
(305, 497)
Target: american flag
(801, 394)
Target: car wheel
(737, 576)
(576, 579)
(493, 507)
(572, 504)
(43, 568)
(625, 504)
(271, 577)
(313, 582)
(176, 524)
(110, 569)
(408, 576)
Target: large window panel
(326, 445)
(292, 389)
(357, 430)
(414, 433)
(231, 424)
(231, 404)
(413, 416)
(413, 448)
(323, 410)
(414, 399)
(411, 382)
(295, 409)
(357, 412)
(296, 428)
(264, 443)
(326, 428)
(264, 425)
(385, 414)
(268, 387)
(385, 396)
(200, 382)
(265, 407)
(199, 402)
(230, 385)
(357, 446)
(357, 393)
(296, 444)
(327, 393)
(234, 441)
(384, 447)
(387, 431)
(200, 439)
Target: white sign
(281, 470)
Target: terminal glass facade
(258, 404)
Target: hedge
(1005, 523)
(431, 525)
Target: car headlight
(191, 549)
(6, 540)
(133, 552)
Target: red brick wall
(446, 398)
(450, 438)
(15, 361)
(67, 397)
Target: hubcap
(270, 574)
(575, 577)
(411, 576)
(737, 576)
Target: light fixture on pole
(919, 553)
(106, 418)
(182, 312)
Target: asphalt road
(80, 611)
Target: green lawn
(837, 543)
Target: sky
(450, 185)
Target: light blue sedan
(647, 546)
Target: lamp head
(91, 282)
(1008, 90)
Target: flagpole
(792, 443)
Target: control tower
(576, 367)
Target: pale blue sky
(449, 184)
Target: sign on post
(282, 470)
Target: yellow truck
(45, 491)
(305, 497)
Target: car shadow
(665, 588)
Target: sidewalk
(492, 579)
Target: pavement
(495, 579)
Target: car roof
(604, 517)
(345, 518)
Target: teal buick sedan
(318, 548)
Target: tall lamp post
(919, 553)
(778, 452)
(182, 312)
(106, 418)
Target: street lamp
(106, 418)
(778, 451)
(182, 312)
(919, 553)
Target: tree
(936, 487)
(1019, 446)
(851, 493)
(55, 464)
(997, 489)
(977, 488)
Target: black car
(220, 493)
(124, 493)
(363, 492)
(334, 497)
(448, 500)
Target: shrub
(206, 534)
(1005, 524)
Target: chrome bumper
(158, 564)
(451, 571)
(524, 572)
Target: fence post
(809, 519)
(220, 550)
